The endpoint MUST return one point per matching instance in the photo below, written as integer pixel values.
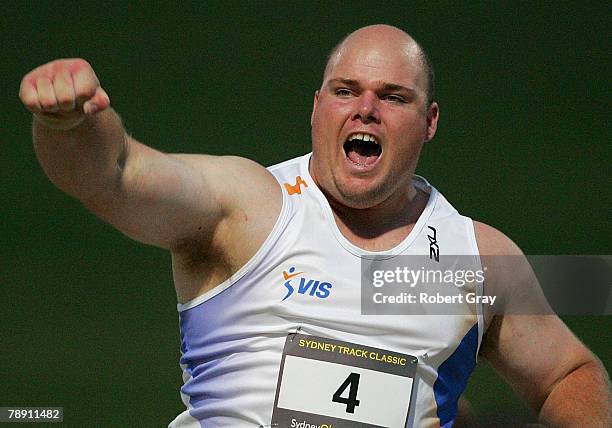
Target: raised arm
(533, 349)
(157, 198)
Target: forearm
(581, 399)
(84, 160)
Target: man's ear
(314, 106)
(433, 114)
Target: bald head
(390, 41)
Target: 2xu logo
(312, 287)
(434, 249)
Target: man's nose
(366, 108)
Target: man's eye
(394, 98)
(343, 92)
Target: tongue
(361, 157)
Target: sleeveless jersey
(232, 337)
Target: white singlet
(232, 337)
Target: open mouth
(362, 149)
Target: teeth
(364, 137)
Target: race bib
(332, 384)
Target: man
(267, 275)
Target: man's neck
(383, 226)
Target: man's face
(371, 91)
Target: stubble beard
(368, 197)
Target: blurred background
(88, 318)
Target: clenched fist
(61, 93)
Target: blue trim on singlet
(184, 350)
(453, 375)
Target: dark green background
(88, 318)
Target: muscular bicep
(532, 353)
(162, 199)
(525, 341)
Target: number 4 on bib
(351, 401)
(321, 383)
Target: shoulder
(237, 183)
(508, 275)
(251, 201)
(491, 241)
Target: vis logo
(310, 287)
